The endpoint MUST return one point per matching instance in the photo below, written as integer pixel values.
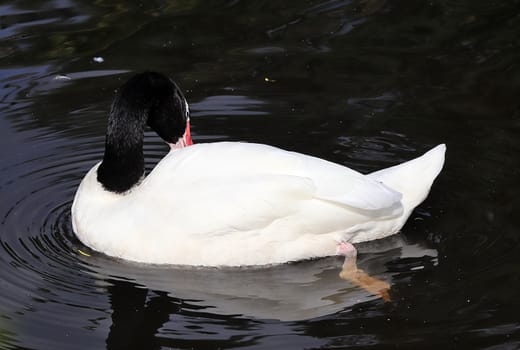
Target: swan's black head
(145, 99)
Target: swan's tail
(414, 178)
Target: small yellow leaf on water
(83, 253)
(266, 79)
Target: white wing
(227, 187)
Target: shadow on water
(366, 83)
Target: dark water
(365, 83)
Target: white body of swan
(240, 204)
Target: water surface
(366, 84)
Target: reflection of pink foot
(346, 249)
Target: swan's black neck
(147, 98)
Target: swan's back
(220, 161)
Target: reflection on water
(365, 83)
(295, 291)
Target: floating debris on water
(83, 253)
(62, 77)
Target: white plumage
(241, 204)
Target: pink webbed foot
(346, 249)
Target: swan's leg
(351, 273)
(347, 250)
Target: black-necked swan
(230, 203)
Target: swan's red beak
(185, 140)
(187, 134)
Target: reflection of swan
(230, 203)
(286, 292)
